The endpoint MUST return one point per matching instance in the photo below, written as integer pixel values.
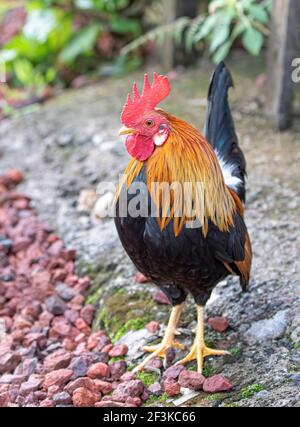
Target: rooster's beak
(125, 130)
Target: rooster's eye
(149, 123)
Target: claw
(168, 341)
(199, 350)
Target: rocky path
(70, 145)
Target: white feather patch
(227, 169)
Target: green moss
(296, 346)
(251, 390)
(235, 351)
(94, 297)
(130, 325)
(209, 342)
(115, 359)
(123, 312)
(216, 396)
(208, 370)
(231, 405)
(157, 399)
(147, 378)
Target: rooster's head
(145, 126)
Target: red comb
(151, 96)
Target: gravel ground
(70, 144)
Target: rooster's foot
(159, 350)
(168, 341)
(199, 350)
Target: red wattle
(139, 146)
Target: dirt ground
(71, 144)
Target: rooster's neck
(187, 159)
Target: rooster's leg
(168, 340)
(199, 350)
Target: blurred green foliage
(63, 39)
(57, 43)
(225, 22)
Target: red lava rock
(62, 398)
(153, 327)
(107, 348)
(161, 298)
(20, 244)
(145, 394)
(104, 387)
(118, 350)
(29, 366)
(133, 388)
(109, 404)
(32, 311)
(68, 254)
(192, 380)
(84, 397)
(57, 377)
(15, 176)
(71, 315)
(135, 401)
(8, 362)
(65, 291)
(98, 370)
(80, 365)
(93, 340)
(155, 389)
(45, 318)
(53, 389)
(171, 387)
(12, 379)
(56, 247)
(60, 329)
(128, 376)
(55, 305)
(80, 349)
(57, 360)
(141, 278)
(4, 399)
(117, 369)
(22, 204)
(80, 338)
(173, 372)
(87, 313)
(33, 384)
(219, 324)
(216, 383)
(69, 344)
(40, 395)
(81, 325)
(155, 363)
(47, 403)
(101, 357)
(78, 300)
(84, 382)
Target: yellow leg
(199, 350)
(168, 340)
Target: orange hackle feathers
(151, 96)
(186, 157)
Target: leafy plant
(225, 22)
(63, 39)
(251, 390)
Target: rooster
(193, 251)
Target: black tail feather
(219, 126)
